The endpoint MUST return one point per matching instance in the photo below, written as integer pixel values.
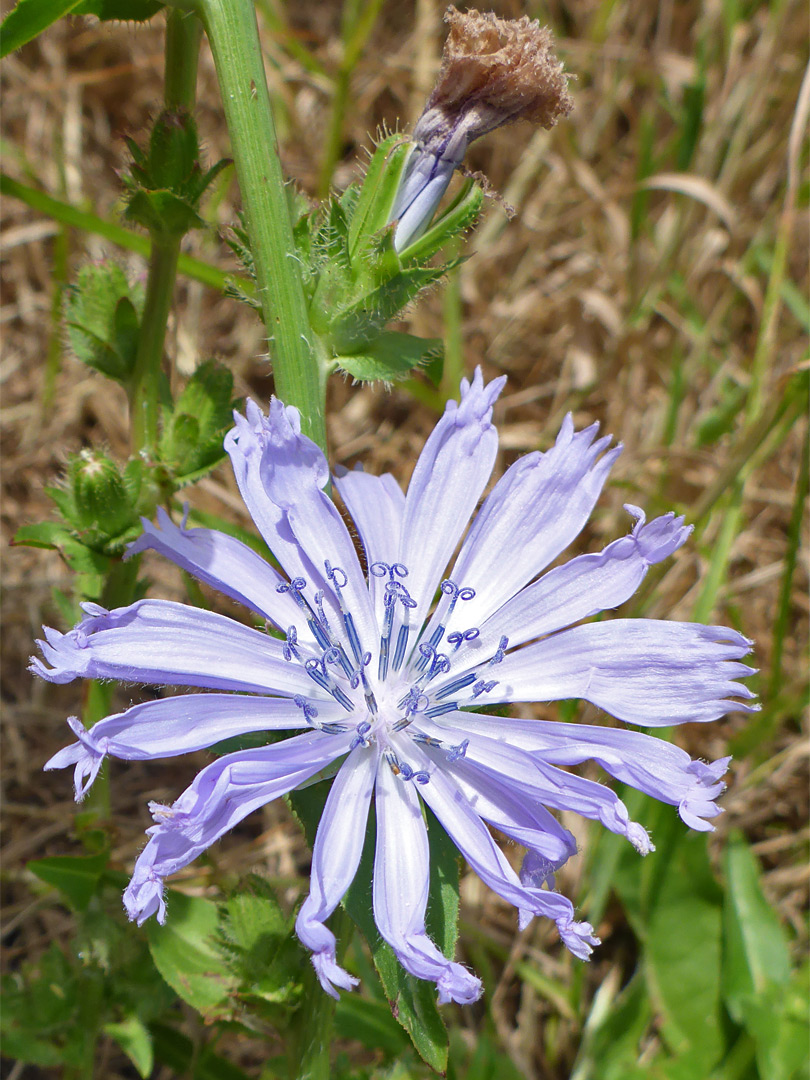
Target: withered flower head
(494, 71)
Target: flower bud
(102, 501)
(494, 72)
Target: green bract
(167, 182)
(354, 281)
(102, 318)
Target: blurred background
(654, 278)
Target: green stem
(145, 394)
(183, 34)
(86, 222)
(300, 379)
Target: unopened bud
(494, 72)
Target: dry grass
(640, 305)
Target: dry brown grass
(649, 324)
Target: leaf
(186, 955)
(102, 316)
(28, 19)
(390, 356)
(755, 949)
(133, 1036)
(191, 442)
(356, 325)
(778, 1022)
(77, 876)
(681, 921)
(371, 1023)
(614, 1029)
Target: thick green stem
(183, 33)
(300, 379)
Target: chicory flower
(378, 676)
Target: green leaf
(356, 325)
(163, 213)
(778, 1021)
(193, 430)
(755, 949)
(611, 1042)
(390, 356)
(77, 876)
(257, 933)
(28, 19)
(102, 316)
(133, 1036)
(680, 926)
(185, 953)
(371, 1023)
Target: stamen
(457, 684)
(457, 638)
(457, 752)
(309, 710)
(360, 739)
(291, 645)
(503, 645)
(402, 645)
(482, 687)
(439, 710)
(339, 581)
(449, 588)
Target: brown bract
(494, 71)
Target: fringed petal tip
(699, 801)
(331, 974)
(661, 537)
(145, 897)
(578, 938)
(459, 985)
(476, 399)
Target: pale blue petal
(537, 508)
(218, 799)
(449, 477)
(400, 890)
(643, 671)
(335, 858)
(179, 725)
(652, 765)
(473, 839)
(376, 504)
(225, 563)
(424, 182)
(529, 777)
(586, 585)
(158, 641)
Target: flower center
(409, 683)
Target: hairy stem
(300, 379)
(183, 33)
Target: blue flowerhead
(378, 669)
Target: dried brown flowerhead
(494, 72)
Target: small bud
(494, 72)
(102, 500)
